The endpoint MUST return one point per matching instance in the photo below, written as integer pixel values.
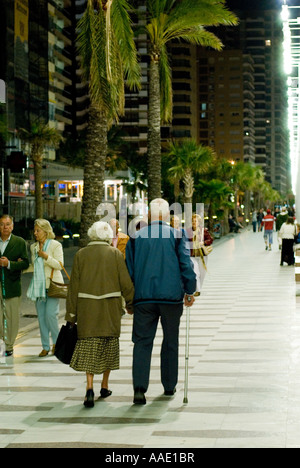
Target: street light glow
(291, 60)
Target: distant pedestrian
(175, 222)
(199, 237)
(280, 219)
(120, 239)
(14, 259)
(287, 234)
(254, 220)
(260, 216)
(99, 280)
(160, 266)
(47, 258)
(268, 222)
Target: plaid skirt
(96, 355)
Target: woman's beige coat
(54, 261)
(99, 279)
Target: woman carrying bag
(99, 280)
(47, 258)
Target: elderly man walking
(159, 264)
(14, 259)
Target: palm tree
(108, 60)
(189, 158)
(216, 193)
(38, 138)
(170, 20)
(243, 179)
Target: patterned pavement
(244, 379)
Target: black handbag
(65, 344)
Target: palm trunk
(236, 210)
(176, 189)
(37, 168)
(94, 170)
(225, 221)
(188, 181)
(154, 138)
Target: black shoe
(9, 353)
(139, 396)
(104, 392)
(89, 399)
(170, 392)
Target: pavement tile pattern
(244, 377)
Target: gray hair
(101, 231)
(159, 209)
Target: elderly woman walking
(99, 279)
(47, 258)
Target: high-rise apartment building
(60, 63)
(226, 103)
(183, 60)
(36, 65)
(259, 34)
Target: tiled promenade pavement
(244, 388)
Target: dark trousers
(146, 317)
(287, 251)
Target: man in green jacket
(14, 259)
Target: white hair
(159, 209)
(101, 231)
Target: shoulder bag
(58, 290)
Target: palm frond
(166, 93)
(85, 28)
(204, 12)
(200, 36)
(108, 54)
(156, 7)
(122, 28)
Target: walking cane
(187, 344)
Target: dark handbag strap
(51, 277)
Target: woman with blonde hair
(47, 258)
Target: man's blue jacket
(159, 264)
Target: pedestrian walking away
(14, 259)
(47, 261)
(120, 239)
(280, 219)
(199, 238)
(288, 234)
(254, 220)
(99, 281)
(268, 222)
(160, 266)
